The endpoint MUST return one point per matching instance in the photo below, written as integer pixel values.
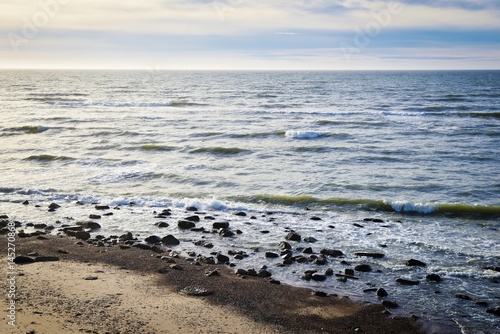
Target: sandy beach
(77, 287)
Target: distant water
(421, 148)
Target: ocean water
(419, 150)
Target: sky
(250, 34)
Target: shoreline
(233, 304)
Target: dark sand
(129, 295)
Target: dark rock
(364, 268)
(157, 249)
(184, 224)
(91, 278)
(264, 231)
(318, 277)
(209, 218)
(433, 278)
(372, 255)
(82, 235)
(92, 216)
(417, 263)
(90, 225)
(329, 272)
(358, 225)
(162, 224)
(315, 218)
(241, 214)
(170, 240)
(349, 272)
(273, 281)
(382, 293)
(264, 273)
(331, 252)
(310, 239)
(271, 255)
(153, 239)
(72, 228)
(494, 310)
(284, 245)
(227, 233)
(251, 272)
(163, 270)
(191, 208)
(141, 246)
(195, 291)
(21, 259)
(494, 268)
(293, 236)
(198, 229)
(127, 236)
(462, 296)
(320, 261)
(62, 251)
(307, 250)
(377, 220)
(102, 207)
(319, 294)
(194, 219)
(219, 225)
(390, 304)
(54, 206)
(241, 272)
(404, 281)
(46, 258)
(26, 202)
(39, 226)
(221, 258)
(212, 273)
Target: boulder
(194, 218)
(331, 252)
(284, 245)
(271, 255)
(382, 293)
(221, 258)
(219, 225)
(82, 235)
(364, 268)
(433, 278)
(318, 277)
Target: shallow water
(416, 149)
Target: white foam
(303, 134)
(404, 206)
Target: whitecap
(303, 134)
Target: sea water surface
(417, 149)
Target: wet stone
(293, 236)
(433, 278)
(415, 263)
(404, 281)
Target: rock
(241, 214)
(92, 216)
(404, 281)
(170, 240)
(358, 225)
(40, 226)
(494, 310)
(241, 272)
(264, 273)
(273, 281)
(462, 296)
(320, 261)
(293, 236)
(141, 246)
(272, 255)
(417, 263)
(209, 218)
(46, 258)
(184, 224)
(390, 304)
(219, 225)
(494, 268)
(284, 245)
(318, 277)
(191, 208)
(102, 207)
(221, 258)
(310, 239)
(153, 239)
(195, 291)
(194, 218)
(91, 278)
(175, 267)
(90, 225)
(331, 252)
(127, 236)
(433, 278)
(307, 250)
(372, 255)
(157, 249)
(163, 270)
(251, 272)
(54, 206)
(21, 259)
(348, 272)
(26, 202)
(364, 268)
(162, 224)
(212, 273)
(82, 235)
(382, 293)
(329, 272)
(319, 294)
(227, 234)
(315, 218)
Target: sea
(400, 163)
